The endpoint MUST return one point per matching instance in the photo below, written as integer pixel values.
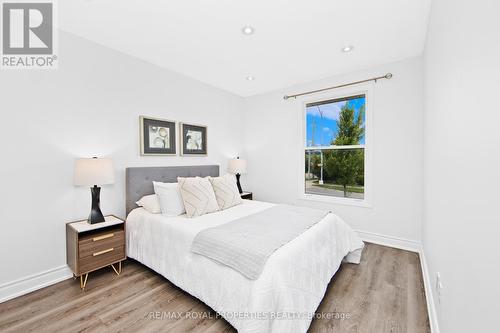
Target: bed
(287, 292)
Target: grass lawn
(352, 189)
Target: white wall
(90, 106)
(272, 136)
(462, 162)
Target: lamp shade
(237, 165)
(94, 171)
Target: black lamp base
(95, 212)
(238, 182)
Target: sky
(326, 127)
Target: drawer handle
(95, 239)
(102, 252)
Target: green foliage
(350, 130)
(346, 167)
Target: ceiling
(294, 41)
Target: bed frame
(139, 181)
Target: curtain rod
(387, 76)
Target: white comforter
(282, 299)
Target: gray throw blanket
(246, 243)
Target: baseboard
(398, 243)
(429, 295)
(33, 282)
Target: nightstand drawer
(102, 258)
(94, 243)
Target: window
(335, 149)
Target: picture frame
(193, 140)
(157, 137)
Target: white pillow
(198, 196)
(150, 203)
(226, 191)
(170, 198)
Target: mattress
(282, 299)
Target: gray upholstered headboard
(139, 181)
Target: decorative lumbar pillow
(226, 191)
(198, 196)
(170, 198)
(150, 203)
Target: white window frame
(367, 90)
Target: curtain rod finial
(388, 76)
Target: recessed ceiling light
(250, 78)
(347, 48)
(248, 30)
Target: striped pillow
(198, 196)
(226, 191)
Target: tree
(346, 166)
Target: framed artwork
(193, 140)
(157, 136)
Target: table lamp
(93, 172)
(238, 167)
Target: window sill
(335, 200)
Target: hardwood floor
(384, 293)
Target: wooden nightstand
(247, 195)
(90, 247)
